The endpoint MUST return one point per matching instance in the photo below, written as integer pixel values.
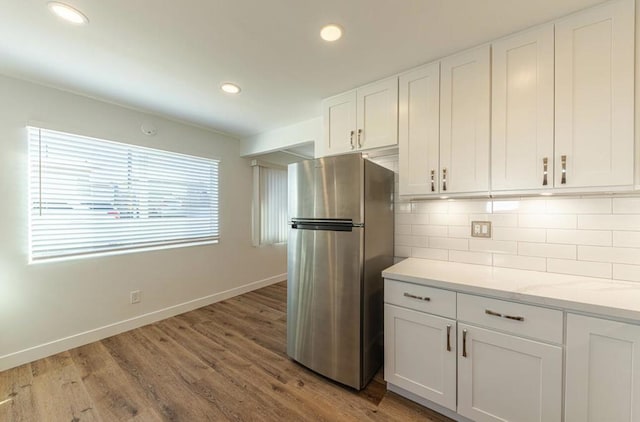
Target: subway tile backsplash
(596, 236)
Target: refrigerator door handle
(329, 226)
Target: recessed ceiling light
(68, 13)
(230, 88)
(331, 32)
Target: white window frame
(90, 196)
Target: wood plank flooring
(223, 362)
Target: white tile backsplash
(613, 255)
(572, 266)
(597, 236)
(547, 250)
(626, 205)
(626, 240)
(525, 235)
(428, 230)
(579, 237)
(626, 272)
(494, 246)
(609, 222)
(547, 221)
(468, 257)
(520, 262)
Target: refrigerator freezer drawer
(324, 302)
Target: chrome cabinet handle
(563, 159)
(351, 139)
(410, 296)
(464, 343)
(499, 315)
(444, 179)
(515, 318)
(433, 180)
(359, 138)
(545, 170)
(448, 338)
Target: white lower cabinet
(502, 377)
(602, 375)
(420, 354)
(469, 354)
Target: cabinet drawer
(421, 298)
(523, 320)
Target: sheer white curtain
(270, 204)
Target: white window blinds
(270, 205)
(89, 195)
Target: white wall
(57, 302)
(596, 236)
(286, 137)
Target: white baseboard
(31, 354)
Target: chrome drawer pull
(464, 343)
(499, 315)
(545, 170)
(448, 338)
(563, 160)
(409, 295)
(515, 318)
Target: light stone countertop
(605, 297)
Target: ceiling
(170, 57)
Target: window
(269, 204)
(89, 196)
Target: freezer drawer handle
(409, 295)
(496, 314)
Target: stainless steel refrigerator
(340, 240)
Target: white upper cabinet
(602, 370)
(377, 114)
(419, 130)
(340, 123)
(362, 119)
(522, 111)
(595, 97)
(464, 122)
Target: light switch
(481, 229)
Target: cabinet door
(603, 370)
(420, 354)
(595, 96)
(507, 378)
(339, 123)
(522, 111)
(419, 130)
(378, 114)
(464, 122)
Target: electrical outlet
(136, 296)
(481, 229)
